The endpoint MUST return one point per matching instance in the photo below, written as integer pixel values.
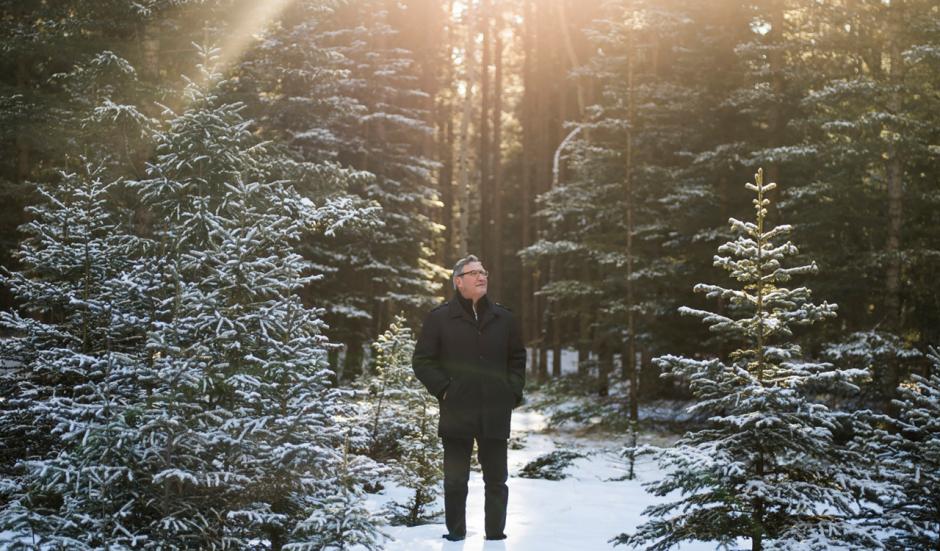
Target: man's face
(472, 284)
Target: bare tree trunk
(22, 145)
(528, 101)
(23, 158)
(895, 183)
(543, 363)
(775, 58)
(484, 131)
(445, 151)
(556, 342)
(496, 262)
(572, 55)
(629, 362)
(584, 331)
(633, 426)
(464, 156)
(352, 363)
(426, 54)
(895, 188)
(543, 157)
(150, 50)
(605, 366)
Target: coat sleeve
(517, 358)
(426, 360)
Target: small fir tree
(386, 389)
(419, 468)
(340, 520)
(909, 455)
(401, 416)
(767, 466)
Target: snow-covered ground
(581, 512)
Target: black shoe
(499, 537)
(453, 537)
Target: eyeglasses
(474, 273)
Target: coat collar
(457, 310)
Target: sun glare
(247, 29)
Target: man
(470, 356)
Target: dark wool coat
(481, 365)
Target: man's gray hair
(458, 267)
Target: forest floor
(579, 513)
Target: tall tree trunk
(629, 362)
(445, 151)
(894, 171)
(150, 53)
(496, 262)
(352, 363)
(776, 38)
(605, 366)
(895, 183)
(544, 79)
(556, 342)
(484, 132)
(584, 327)
(464, 157)
(22, 145)
(427, 54)
(634, 425)
(528, 102)
(571, 54)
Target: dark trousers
(491, 452)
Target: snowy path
(581, 512)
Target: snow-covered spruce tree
(910, 456)
(245, 433)
(337, 87)
(864, 128)
(342, 520)
(74, 373)
(418, 467)
(103, 114)
(386, 389)
(401, 417)
(863, 349)
(767, 466)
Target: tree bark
(463, 206)
(775, 58)
(496, 260)
(484, 132)
(445, 151)
(605, 366)
(629, 362)
(150, 52)
(528, 100)
(584, 327)
(544, 79)
(895, 184)
(352, 363)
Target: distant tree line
(838, 100)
